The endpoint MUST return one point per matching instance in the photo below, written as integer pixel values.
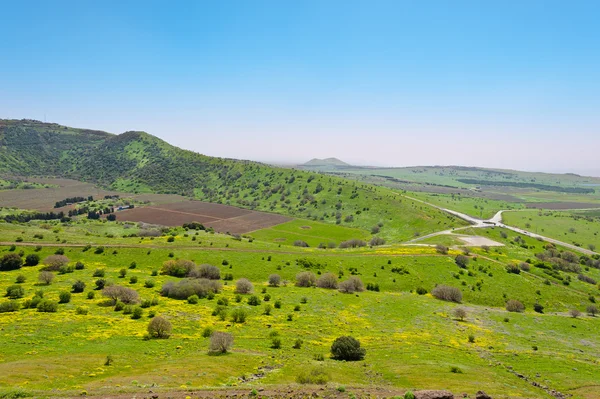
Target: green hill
(325, 162)
(139, 162)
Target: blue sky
(512, 84)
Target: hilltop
(325, 162)
(137, 162)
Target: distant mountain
(325, 162)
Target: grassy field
(412, 340)
(482, 208)
(577, 227)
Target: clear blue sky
(491, 83)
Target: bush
(101, 283)
(328, 280)
(316, 375)
(220, 342)
(78, 286)
(32, 260)
(64, 297)
(15, 292)
(91, 295)
(133, 280)
(592, 310)
(300, 243)
(513, 305)
(207, 332)
(122, 273)
(20, 279)
(239, 315)
(53, 263)
(79, 266)
(138, 312)
(206, 271)
(9, 306)
(514, 269)
(253, 301)
(243, 286)
(149, 284)
(298, 344)
(98, 273)
(274, 280)
(462, 261)
(538, 308)
(409, 395)
(187, 287)
(347, 348)
(574, 313)
(10, 262)
(81, 310)
(441, 249)
(193, 299)
(459, 313)
(159, 327)
(376, 241)
(120, 293)
(447, 293)
(47, 306)
(524, 266)
(353, 243)
(275, 343)
(421, 291)
(277, 304)
(305, 279)
(353, 284)
(178, 268)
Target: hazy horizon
(386, 83)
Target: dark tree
(347, 348)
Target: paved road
(496, 220)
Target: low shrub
(187, 287)
(328, 281)
(47, 306)
(15, 291)
(239, 315)
(220, 342)
(64, 297)
(305, 279)
(78, 286)
(513, 305)
(352, 285)
(9, 306)
(315, 375)
(243, 286)
(159, 327)
(447, 293)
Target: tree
(120, 293)
(347, 348)
(159, 327)
(55, 262)
(376, 241)
(575, 313)
(592, 310)
(462, 261)
(11, 262)
(460, 313)
(220, 342)
(46, 277)
(243, 286)
(32, 260)
(274, 280)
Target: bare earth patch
(478, 241)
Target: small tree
(575, 313)
(274, 280)
(220, 342)
(10, 261)
(347, 348)
(592, 310)
(462, 261)
(243, 286)
(32, 260)
(159, 327)
(55, 262)
(460, 313)
(513, 305)
(46, 277)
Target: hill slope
(325, 162)
(139, 162)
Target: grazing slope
(138, 162)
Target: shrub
(120, 293)
(187, 287)
(178, 268)
(253, 301)
(138, 312)
(47, 306)
(9, 306)
(353, 284)
(305, 279)
(101, 283)
(20, 279)
(274, 280)
(79, 266)
(538, 308)
(149, 284)
(81, 310)
(421, 291)
(524, 266)
(193, 299)
(239, 315)
(277, 304)
(376, 241)
(513, 305)
(122, 273)
(207, 332)
(409, 395)
(10, 262)
(159, 327)
(592, 310)
(347, 348)
(53, 263)
(64, 297)
(91, 295)
(447, 293)
(586, 279)
(298, 344)
(315, 375)
(275, 343)
(98, 273)
(459, 313)
(455, 370)
(220, 342)
(78, 286)
(243, 286)
(514, 269)
(353, 243)
(462, 261)
(119, 306)
(15, 292)
(441, 249)
(133, 280)
(32, 260)
(300, 243)
(574, 313)
(327, 280)
(207, 271)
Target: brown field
(562, 205)
(222, 218)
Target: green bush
(78, 286)
(20, 279)
(15, 292)
(347, 348)
(98, 273)
(159, 327)
(32, 260)
(315, 375)
(253, 301)
(185, 288)
(47, 306)
(239, 315)
(9, 306)
(138, 312)
(91, 295)
(64, 297)
(149, 284)
(10, 262)
(133, 280)
(81, 310)
(207, 332)
(193, 299)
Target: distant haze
(494, 84)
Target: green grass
(313, 233)
(478, 207)
(576, 227)
(411, 340)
